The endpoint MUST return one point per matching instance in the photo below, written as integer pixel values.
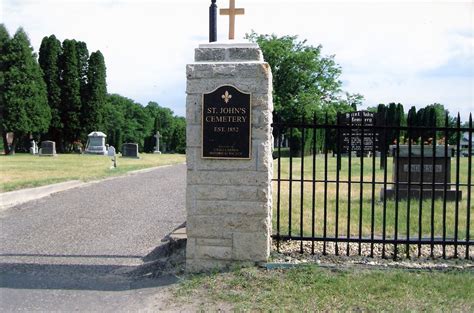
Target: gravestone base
(415, 194)
(228, 201)
(156, 152)
(46, 155)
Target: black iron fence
(370, 189)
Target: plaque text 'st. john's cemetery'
(226, 130)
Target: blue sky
(413, 52)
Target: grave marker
(420, 170)
(157, 147)
(48, 148)
(130, 150)
(96, 143)
(33, 148)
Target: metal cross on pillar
(232, 12)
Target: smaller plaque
(226, 129)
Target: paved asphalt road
(69, 251)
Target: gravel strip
(290, 253)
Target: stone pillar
(229, 201)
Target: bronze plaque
(226, 127)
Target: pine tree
(70, 94)
(25, 101)
(82, 63)
(4, 39)
(97, 93)
(49, 56)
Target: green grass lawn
(312, 288)
(25, 170)
(408, 213)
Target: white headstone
(34, 147)
(111, 151)
(96, 143)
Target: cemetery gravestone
(111, 151)
(96, 143)
(48, 148)
(419, 169)
(33, 148)
(130, 150)
(157, 147)
(228, 155)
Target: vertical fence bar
(445, 187)
(302, 183)
(313, 200)
(349, 184)
(397, 193)
(290, 192)
(337, 188)
(361, 181)
(372, 217)
(422, 185)
(433, 181)
(407, 245)
(469, 177)
(456, 208)
(278, 128)
(325, 183)
(384, 214)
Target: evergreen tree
(70, 94)
(4, 39)
(49, 55)
(83, 65)
(25, 101)
(412, 122)
(93, 107)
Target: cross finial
(232, 12)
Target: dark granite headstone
(130, 150)
(408, 174)
(48, 148)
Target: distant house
(465, 144)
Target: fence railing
(373, 190)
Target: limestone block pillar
(228, 201)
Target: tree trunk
(13, 146)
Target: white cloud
(385, 48)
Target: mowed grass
(410, 215)
(312, 288)
(25, 170)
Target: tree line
(307, 87)
(61, 95)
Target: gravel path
(70, 251)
